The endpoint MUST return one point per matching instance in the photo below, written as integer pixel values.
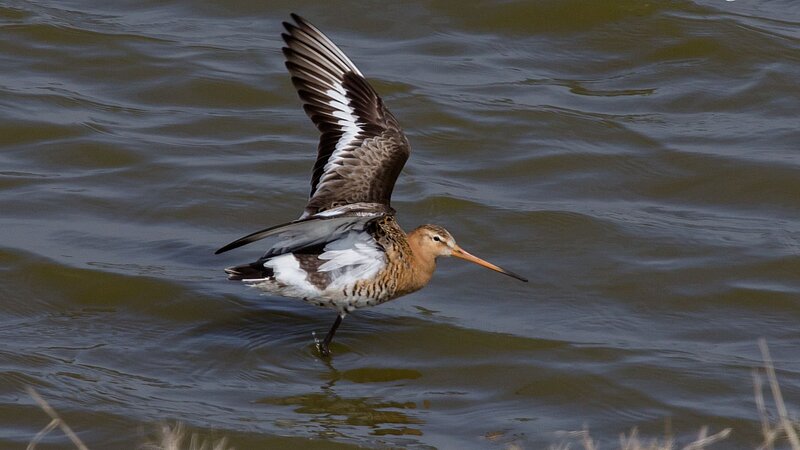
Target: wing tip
(224, 249)
(299, 22)
(291, 27)
(239, 242)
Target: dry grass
(782, 425)
(631, 441)
(174, 438)
(170, 437)
(55, 421)
(775, 427)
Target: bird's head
(434, 241)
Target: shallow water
(638, 161)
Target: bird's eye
(437, 238)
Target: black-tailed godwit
(346, 251)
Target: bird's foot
(322, 346)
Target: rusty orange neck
(423, 260)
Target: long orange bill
(459, 252)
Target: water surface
(637, 161)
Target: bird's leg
(323, 347)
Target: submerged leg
(323, 347)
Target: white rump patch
(288, 272)
(355, 256)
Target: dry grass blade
(588, 442)
(785, 424)
(632, 442)
(770, 434)
(55, 422)
(703, 440)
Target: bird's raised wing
(362, 148)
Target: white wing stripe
(348, 121)
(356, 209)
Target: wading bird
(345, 251)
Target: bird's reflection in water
(339, 416)
(274, 348)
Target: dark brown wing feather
(362, 148)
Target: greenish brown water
(638, 161)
